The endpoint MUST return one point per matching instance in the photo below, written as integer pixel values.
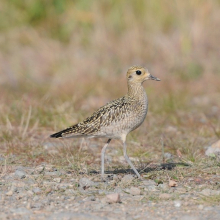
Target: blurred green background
(56, 51)
(44, 38)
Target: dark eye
(138, 72)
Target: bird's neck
(136, 91)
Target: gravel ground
(45, 192)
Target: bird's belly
(125, 125)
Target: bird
(117, 118)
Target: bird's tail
(61, 133)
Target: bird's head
(137, 74)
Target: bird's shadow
(145, 169)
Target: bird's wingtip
(56, 135)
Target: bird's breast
(127, 118)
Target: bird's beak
(153, 78)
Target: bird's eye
(138, 72)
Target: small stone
(54, 173)
(48, 190)
(99, 206)
(118, 190)
(40, 168)
(199, 181)
(116, 177)
(168, 156)
(21, 211)
(85, 183)
(206, 192)
(3, 216)
(149, 182)
(103, 192)
(9, 193)
(177, 203)
(213, 149)
(92, 198)
(200, 207)
(36, 198)
(135, 191)
(30, 193)
(164, 196)
(190, 217)
(73, 215)
(113, 198)
(57, 180)
(163, 186)
(172, 183)
(208, 208)
(36, 190)
(215, 192)
(150, 188)
(2, 199)
(70, 192)
(28, 206)
(181, 190)
(37, 205)
(21, 174)
(2, 158)
(52, 148)
(171, 129)
(127, 179)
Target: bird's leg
(81, 144)
(103, 157)
(128, 160)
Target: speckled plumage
(117, 118)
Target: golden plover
(117, 118)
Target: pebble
(208, 208)
(86, 183)
(113, 198)
(9, 193)
(150, 188)
(3, 216)
(190, 217)
(36, 190)
(36, 198)
(181, 190)
(92, 198)
(177, 203)
(206, 192)
(57, 180)
(37, 205)
(21, 174)
(168, 156)
(21, 211)
(213, 149)
(51, 146)
(200, 207)
(116, 177)
(135, 191)
(172, 183)
(54, 173)
(164, 196)
(163, 186)
(75, 216)
(209, 192)
(70, 192)
(127, 179)
(171, 129)
(2, 158)
(149, 183)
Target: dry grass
(53, 74)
